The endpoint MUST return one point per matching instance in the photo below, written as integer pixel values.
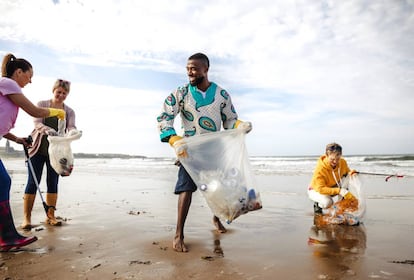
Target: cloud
(298, 69)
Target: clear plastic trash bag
(348, 211)
(219, 165)
(60, 152)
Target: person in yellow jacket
(327, 178)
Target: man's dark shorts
(184, 182)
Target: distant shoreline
(10, 152)
(19, 154)
(384, 157)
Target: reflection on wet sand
(337, 249)
(218, 251)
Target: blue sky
(305, 73)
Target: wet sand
(121, 227)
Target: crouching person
(327, 178)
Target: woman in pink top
(16, 73)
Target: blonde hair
(62, 83)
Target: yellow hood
(323, 180)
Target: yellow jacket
(323, 180)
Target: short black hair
(201, 56)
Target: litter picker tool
(387, 176)
(29, 163)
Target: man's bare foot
(219, 226)
(179, 246)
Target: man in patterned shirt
(204, 107)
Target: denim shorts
(184, 182)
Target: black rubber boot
(317, 209)
(9, 237)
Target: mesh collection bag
(219, 165)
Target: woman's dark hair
(11, 64)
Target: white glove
(343, 192)
(246, 126)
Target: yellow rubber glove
(180, 150)
(174, 139)
(349, 195)
(246, 126)
(57, 112)
(346, 194)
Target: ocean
(271, 165)
(384, 164)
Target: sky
(305, 73)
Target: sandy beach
(121, 225)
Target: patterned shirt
(200, 112)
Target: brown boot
(51, 199)
(27, 210)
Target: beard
(197, 81)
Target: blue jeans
(52, 178)
(5, 183)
